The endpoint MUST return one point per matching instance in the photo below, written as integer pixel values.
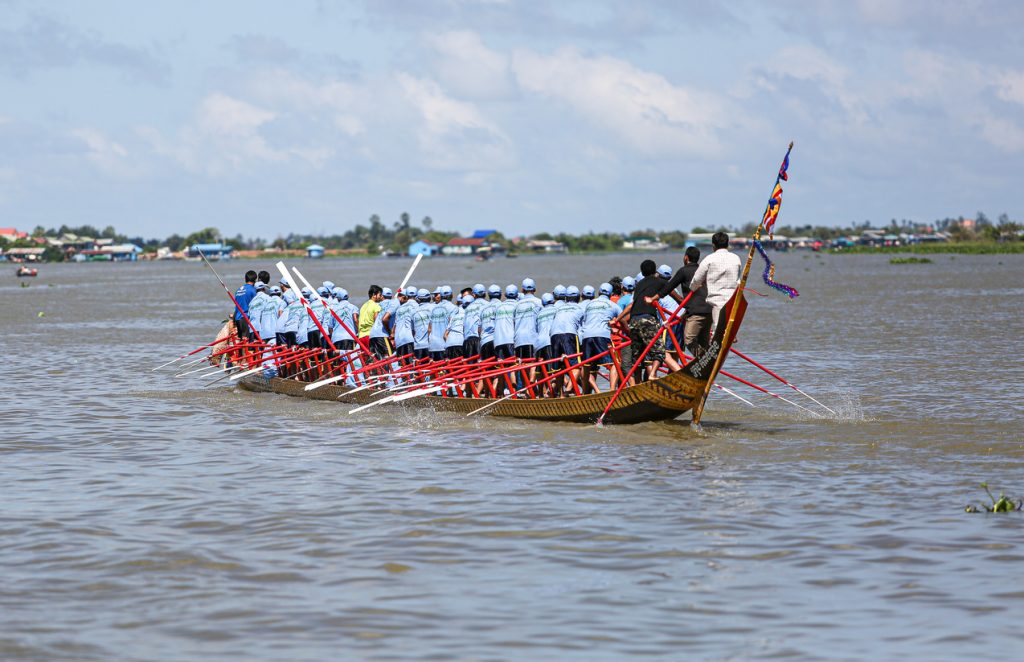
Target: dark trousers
(380, 347)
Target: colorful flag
(772, 212)
(783, 168)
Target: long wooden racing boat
(659, 399)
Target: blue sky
(267, 117)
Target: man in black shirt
(644, 325)
(697, 321)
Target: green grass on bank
(960, 248)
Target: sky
(264, 118)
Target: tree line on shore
(377, 237)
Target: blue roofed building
(315, 251)
(211, 251)
(424, 248)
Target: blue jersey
(379, 329)
(597, 315)
(319, 309)
(403, 323)
(544, 319)
(526, 320)
(421, 325)
(625, 300)
(456, 326)
(255, 312)
(505, 322)
(487, 316)
(439, 324)
(243, 295)
(471, 328)
(568, 319)
(345, 310)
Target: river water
(149, 517)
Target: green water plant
(1003, 504)
(909, 260)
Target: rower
(383, 323)
(542, 348)
(421, 324)
(565, 329)
(453, 335)
(256, 310)
(471, 327)
(439, 316)
(278, 304)
(305, 322)
(505, 324)
(243, 295)
(404, 337)
(597, 338)
(487, 316)
(346, 310)
(292, 319)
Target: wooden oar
(792, 386)
(194, 351)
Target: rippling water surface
(148, 517)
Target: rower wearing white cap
(566, 327)
(487, 315)
(278, 304)
(505, 324)
(471, 327)
(319, 307)
(454, 334)
(349, 314)
(405, 338)
(380, 332)
(526, 320)
(439, 316)
(256, 306)
(545, 316)
(597, 337)
(421, 324)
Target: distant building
(644, 244)
(314, 251)
(424, 248)
(211, 251)
(12, 234)
(545, 246)
(483, 234)
(465, 246)
(25, 254)
(110, 253)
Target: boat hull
(656, 400)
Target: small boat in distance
(27, 272)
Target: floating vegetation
(1003, 504)
(909, 260)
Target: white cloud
(645, 110)
(809, 64)
(453, 134)
(468, 68)
(109, 155)
(1011, 87)
(228, 134)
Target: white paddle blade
(408, 275)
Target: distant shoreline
(957, 248)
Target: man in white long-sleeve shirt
(721, 272)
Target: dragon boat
(662, 398)
(470, 386)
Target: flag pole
(698, 409)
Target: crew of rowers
(482, 323)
